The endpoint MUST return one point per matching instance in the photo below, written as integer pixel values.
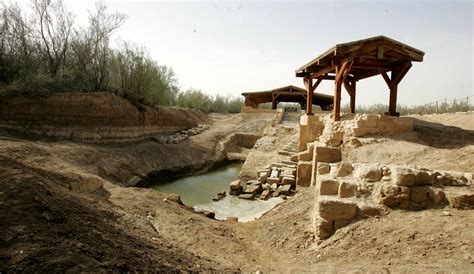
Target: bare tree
(16, 47)
(91, 49)
(53, 27)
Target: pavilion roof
(370, 56)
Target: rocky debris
(181, 136)
(219, 196)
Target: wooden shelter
(350, 62)
(289, 94)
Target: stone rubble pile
(277, 179)
(181, 136)
(348, 191)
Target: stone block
(371, 121)
(235, 192)
(303, 173)
(423, 177)
(323, 228)
(368, 172)
(404, 176)
(327, 154)
(341, 223)
(288, 181)
(276, 193)
(235, 185)
(342, 169)
(294, 157)
(333, 209)
(462, 200)
(439, 197)
(247, 196)
(347, 189)
(285, 190)
(272, 180)
(370, 209)
(253, 189)
(274, 173)
(328, 186)
(421, 197)
(323, 168)
(305, 155)
(266, 194)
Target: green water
(200, 189)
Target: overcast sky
(231, 47)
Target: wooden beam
(320, 79)
(322, 71)
(386, 78)
(401, 73)
(380, 52)
(348, 87)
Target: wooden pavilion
(289, 94)
(350, 62)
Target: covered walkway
(289, 94)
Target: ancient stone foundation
(346, 192)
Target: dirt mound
(93, 116)
(46, 227)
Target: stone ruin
(346, 192)
(277, 179)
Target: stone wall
(311, 127)
(94, 117)
(358, 125)
(346, 192)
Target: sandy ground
(444, 142)
(48, 224)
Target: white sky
(231, 47)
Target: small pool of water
(198, 190)
(201, 188)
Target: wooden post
(308, 82)
(337, 94)
(353, 96)
(392, 106)
(274, 103)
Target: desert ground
(74, 206)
